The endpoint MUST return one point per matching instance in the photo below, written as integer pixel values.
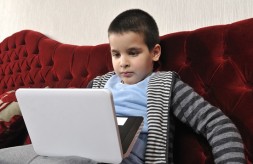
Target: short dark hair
(138, 21)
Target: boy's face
(132, 61)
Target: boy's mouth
(126, 74)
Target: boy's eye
(133, 53)
(116, 55)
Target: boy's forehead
(126, 38)
(126, 35)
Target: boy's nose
(123, 62)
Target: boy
(137, 90)
(134, 41)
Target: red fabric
(8, 96)
(12, 133)
(216, 61)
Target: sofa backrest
(216, 61)
(30, 59)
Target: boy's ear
(156, 52)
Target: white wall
(85, 22)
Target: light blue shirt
(129, 100)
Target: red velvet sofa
(217, 61)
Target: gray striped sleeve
(100, 81)
(205, 119)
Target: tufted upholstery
(216, 61)
(30, 59)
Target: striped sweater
(166, 95)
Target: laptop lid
(65, 122)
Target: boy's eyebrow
(112, 50)
(129, 49)
(134, 49)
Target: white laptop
(75, 122)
